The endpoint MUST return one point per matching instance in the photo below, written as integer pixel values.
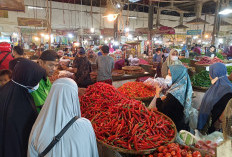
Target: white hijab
(61, 105)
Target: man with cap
(48, 60)
(5, 56)
(82, 69)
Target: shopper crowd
(35, 114)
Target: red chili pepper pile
(136, 90)
(207, 60)
(130, 125)
(124, 123)
(98, 98)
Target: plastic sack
(65, 73)
(64, 62)
(215, 137)
(193, 118)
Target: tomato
(197, 146)
(150, 155)
(187, 148)
(168, 155)
(196, 154)
(161, 148)
(207, 155)
(160, 155)
(208, 142)
(189, 155)
(165, 150)
(173, 153)
(184, 153)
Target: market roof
(142, 5)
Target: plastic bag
(193, 117)
(150, 82)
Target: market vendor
(49, 61)
(171, 60)
(18, 54)
(121, 63)
(177, 102)
(91, 55)
(211, 52)
(214, 100)
(105, 65)
(60, 108)
(158, 60)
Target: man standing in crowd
(5, 56)
(105, 65)
(49, 61)
(18, 56)
(83, 69)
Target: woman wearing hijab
(171, 60)
(17, 108)
(61, 105)
(178, 99)
(215, 99)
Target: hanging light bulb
(111, 17)
(127, 29)
(36, 39)
(70, 35)
(92, 30)
(101, 36)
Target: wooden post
(150, 27)
(116, 29)
(50, 25)
(214, 34)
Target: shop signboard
(32, 22)
(3, 14)
(12, 5)
(107, 31)
(194, 32)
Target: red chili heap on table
(207, 60)
(124, 123)
(136, 90)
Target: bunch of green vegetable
(229, 70)
(201, 79)
(185, 60)
(220, 56)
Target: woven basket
(139, 152)
(201, 88)
(144, 99)
(203, 64)
(118, 73)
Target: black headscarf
(17, 109)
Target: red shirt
(5, 63)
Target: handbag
(57, 138)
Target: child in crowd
(5, 77)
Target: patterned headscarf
(181, 88)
